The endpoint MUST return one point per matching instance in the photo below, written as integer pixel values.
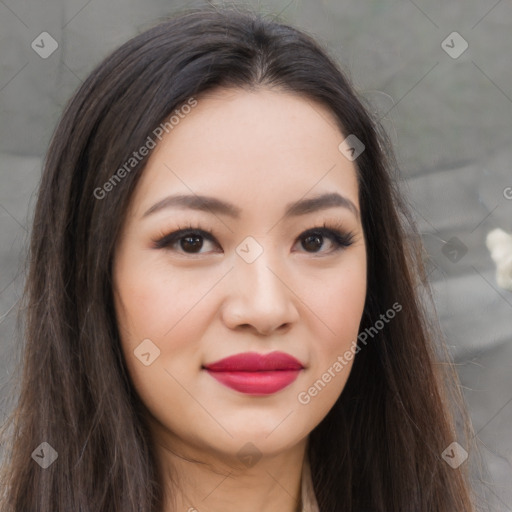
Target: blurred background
(438, 75)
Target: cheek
(336, 299)
(155, 300)
(337, 304)
(170, 307)
(166, 308)
(342, 309)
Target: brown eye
(313, 242)
(313, 239)
(188, 241)
(191, 243)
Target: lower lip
(256, 383)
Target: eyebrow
(217, 206)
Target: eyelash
(335, 232)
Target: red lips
(256, 374)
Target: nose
(259, 298)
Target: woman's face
(258, 175)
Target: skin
(260, 151)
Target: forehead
(242, 145)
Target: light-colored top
(309, 503)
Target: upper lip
(253, 362)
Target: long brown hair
(380, 446)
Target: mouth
(256, 374)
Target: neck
(196, 480)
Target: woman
(224, 293)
